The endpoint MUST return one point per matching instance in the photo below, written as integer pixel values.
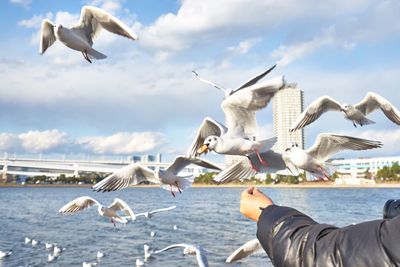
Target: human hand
(251, 200)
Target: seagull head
(292, 145)
(189, 251)
(57, 27)
(345, 107)
(208, 144)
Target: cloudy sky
(143, 98)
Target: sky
(143, 98)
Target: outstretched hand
(251, 201)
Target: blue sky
(143, 97)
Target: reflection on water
(205, 216)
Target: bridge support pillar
(4, 173)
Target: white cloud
(203, 21)
(244, 46)
(42, 141)
(288, 54)
(55, 141)
(35, 22)
(123, 143)
(23, 3)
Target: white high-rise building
(287, 105)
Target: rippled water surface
(205, 216)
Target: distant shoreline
(296, 186)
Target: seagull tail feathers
(365, 121)
(96, 54)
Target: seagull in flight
(111, 211)
(245, 250)
(356, 113)
(244, 169)
(136, 173)
(190, 250)
(314, 159)
(81, 36)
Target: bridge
(56, 167)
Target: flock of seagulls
(237, 137)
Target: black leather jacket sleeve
(292, 239)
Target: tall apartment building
(287, 105)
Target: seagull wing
(120, 205)
(131, 174)
(47, 36)
(247, 249)
(208, 82)
(243, 169)
(328, 144)
(201, 257)
(78, 204)
(374, 101)
(93, 19)
(181, 162)
(208, 127)
(161, 210)
(314, 111)
(240, 107)
(172, 246)
(255, 79)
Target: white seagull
(314, 159)
(147, 252)
(139, 262)
(247, 249)
(243, 169)
(51, 258)
(136, 173)
(81, 36)
(48, 245)
(228, 91)
(34, 242)
(149, 214)
(238, 138)
(57, 251)
(190, 250)
(88, 264)
(28, 240)
(356, 113)
(5, 254)
(100, 254)
(111, 211)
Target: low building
(358, 167)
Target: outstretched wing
(172, 246)
(208, 127)
(247, 249)
(201, 257)
(120, 205)
(93, 19)
(314, 111)
(240, 108)
(328, 144)
(208, 82)
(129, 175)
(161, 210)
(78, 204)
(255, 79)
(374, 101)
(243, 169)
(47, 37)
(181, 162)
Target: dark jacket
(292, 239)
